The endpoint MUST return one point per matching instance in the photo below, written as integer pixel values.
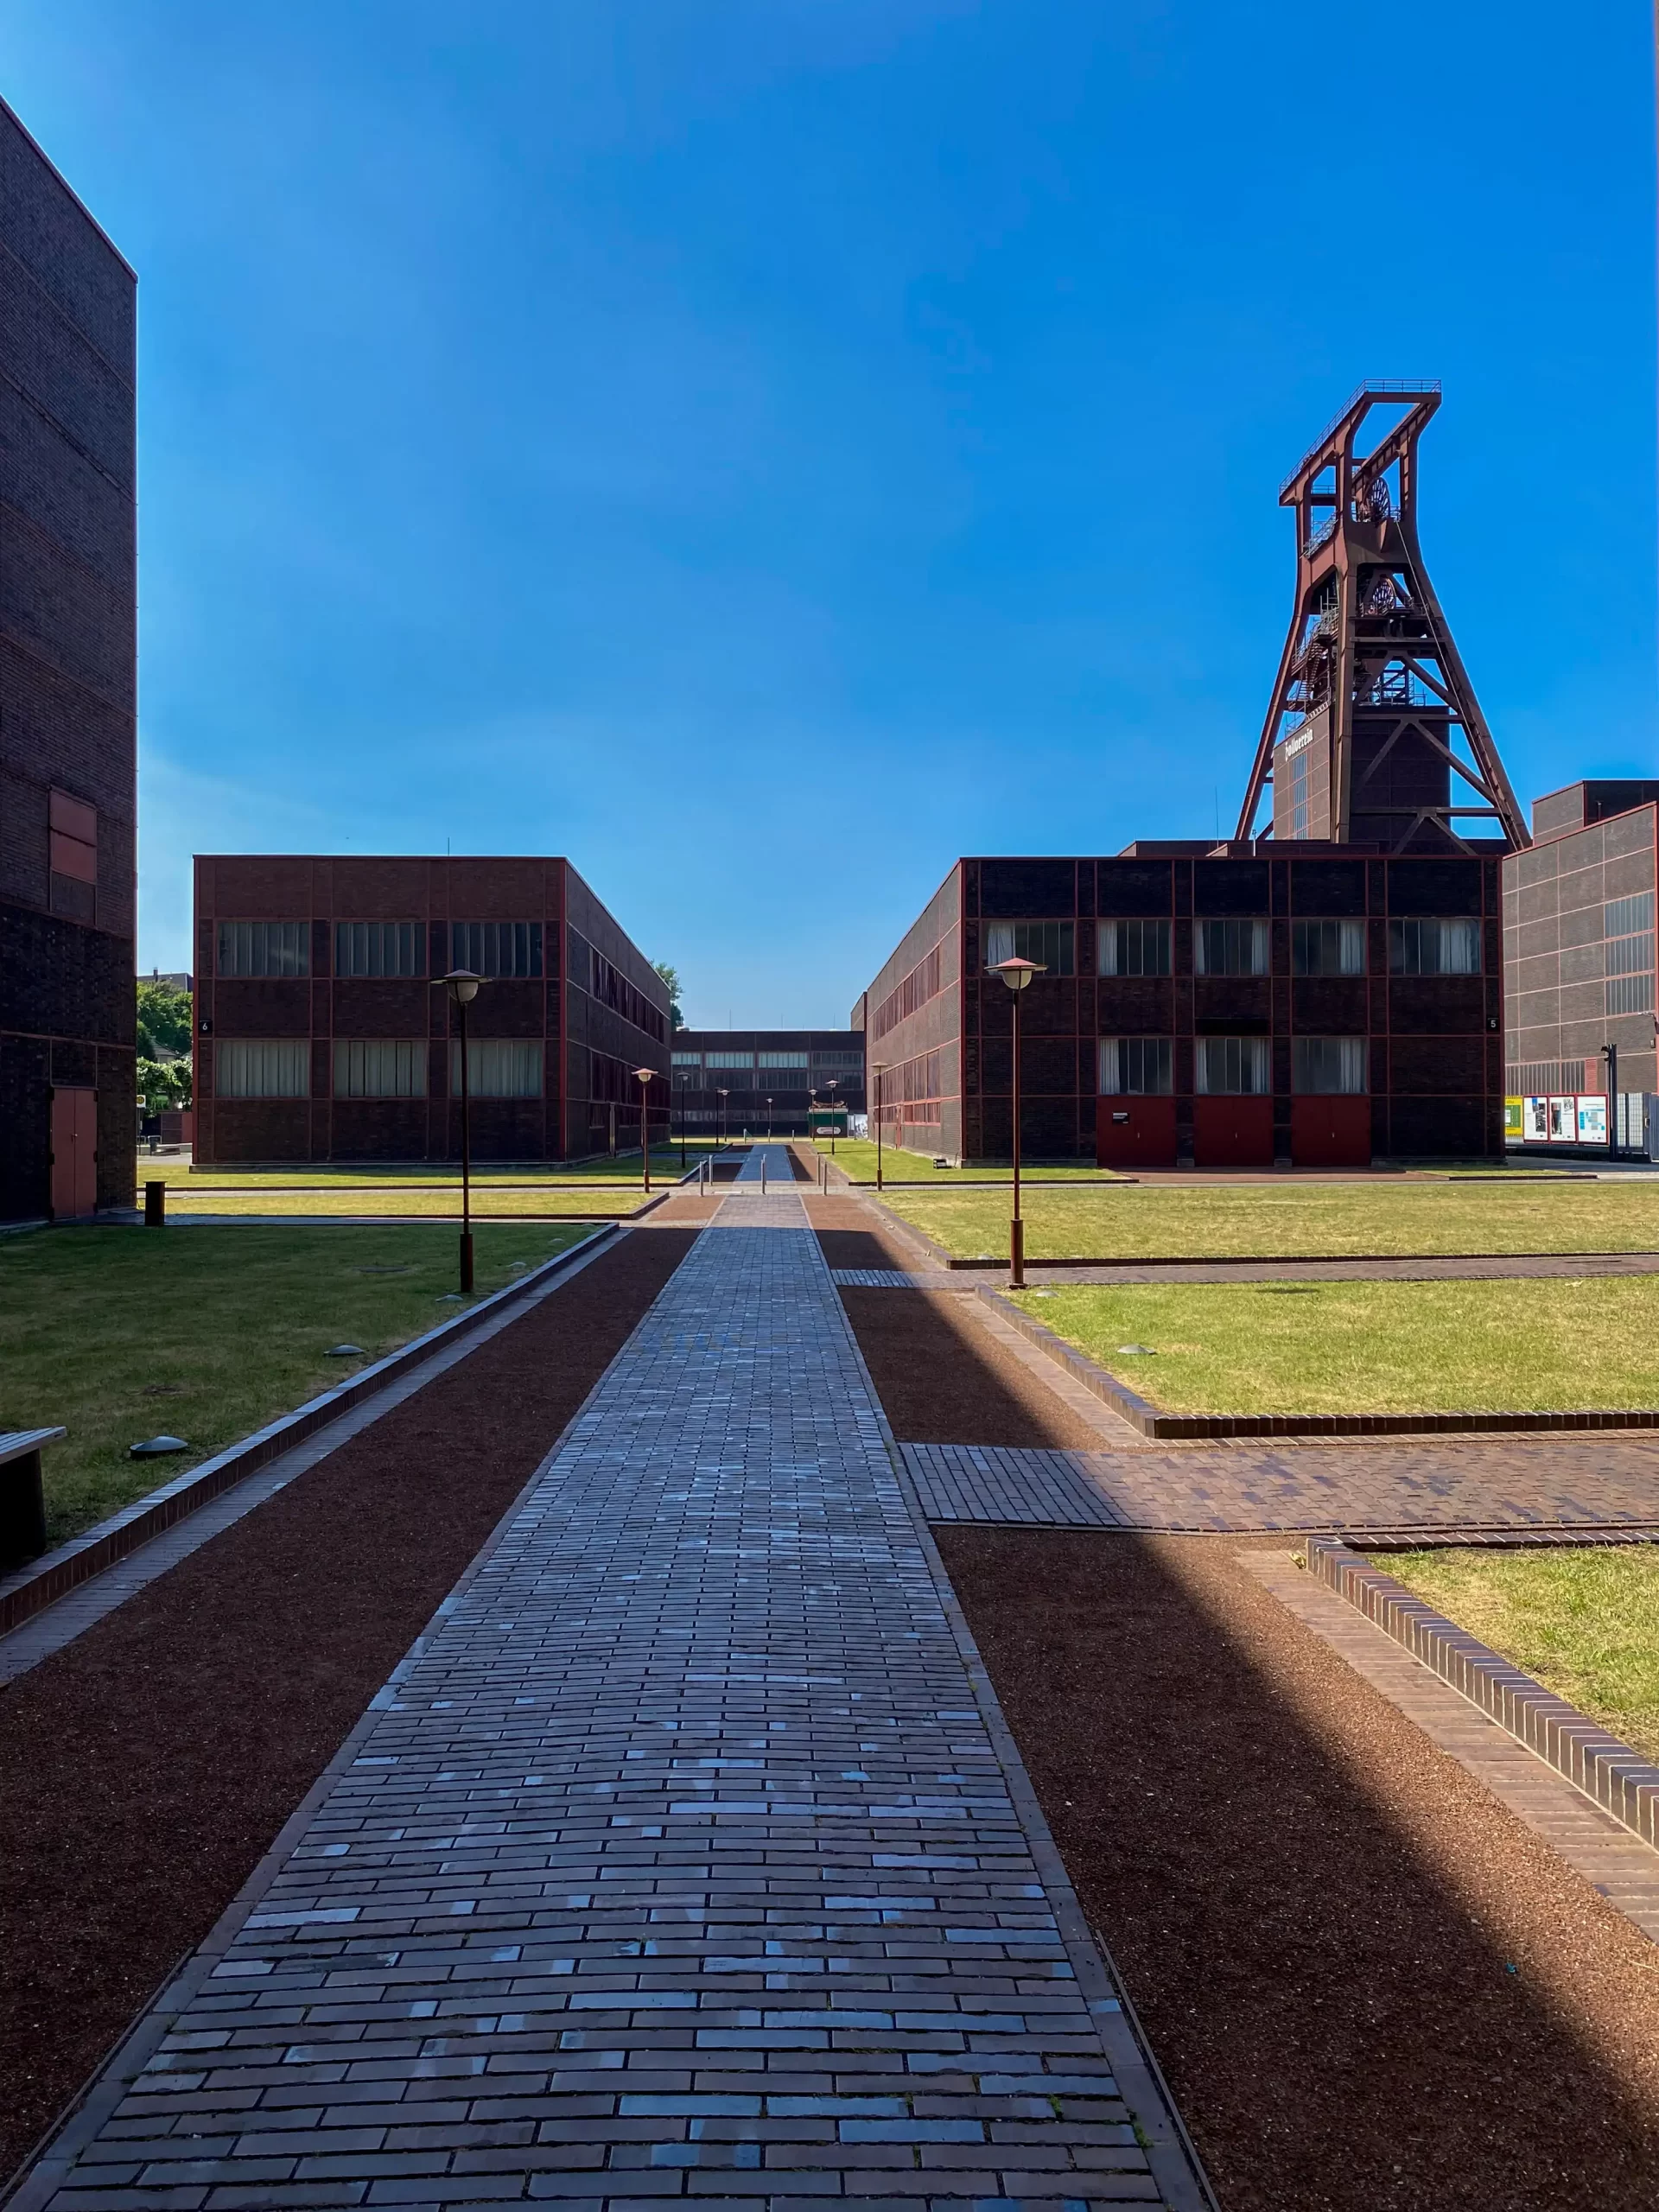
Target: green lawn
(1586, 1623)
(119, 1334)
(1298, 1220)
(1370, 1347)
(855, 1156)
(356, 1200)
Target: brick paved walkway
(685, 1857)
(1545, 1484)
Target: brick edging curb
(40, 1584)
(1151, 1422)
(1607, 1771)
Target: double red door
(74, 1152)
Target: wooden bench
(23, 1503)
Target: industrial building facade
(69, 650)
(764, 1081)
(1209, 1006)
(319, 1034)
(1579, 969)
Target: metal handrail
(1373, 388)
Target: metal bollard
(763, 1174)
(155, 1205)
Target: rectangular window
(248, 1067)
(729, 1060)
(498, 1067)
(265, 949)
(1327, 947)
(380, 1067)
(497, 949)
(1137, 1067)
(1230, 948)
(73, 835)
(688, 1059)
(1232, 1066)
(1050, 945)
(1630, 995)
(769, 1060)
(1134, 949)
(378, 949)
(1435, 948)
(1631, 956)
(838, 1059)
(1324, 1066)
(1624, 917)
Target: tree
(163, 1019)
(162, 1083)
(671, 976)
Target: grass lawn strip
(1476, 1218)
(1556, 1345)
(353, 1201)
(1585, 1623)
(120, 1334)
(438, 1175)
(855, 1156)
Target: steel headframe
(1369, 678)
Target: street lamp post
(830, 1085)
(643, 1075)
(1610, 1053)
(878, 1068)
(463, 986)
(768, 1118)
(1017, 974)
(723, 1095)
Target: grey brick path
(1514, 1485)
(681, 1858)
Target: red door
(1229, 1132)
(74, 1152)
(1330, 1132)
(1134, 1132)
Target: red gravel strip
(146, 1768)
(1371, 1984)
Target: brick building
(319, 1034)
(770, 1076)
(1235, 1006)
(67, 696)
(1579, 967)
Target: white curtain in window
(1232, 947)
(1328, 1067)
(380, 1067)
(999, 943)
(1232, 1066)
(498, 1067)
(253, 1067)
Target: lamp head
(1017, 972)
(643, 1074)
(461, 984)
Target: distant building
(1579, 969)
(175, 980)
(771, 1076)
(68, 1104)
(319, 1034)
(1234, 1006)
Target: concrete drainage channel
(43, 1581)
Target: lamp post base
(1016, 1254)
(467, 1259)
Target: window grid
(380, 1067)
(498, 1067)
(1327, 947)
(1232, 1066)
(1051, 945)
(1427, 946)
(1232, 947)
(263, 948)
(497, 949)
(1137, 1067)
(1630, 995)
(1134, 948)
(259, 1067)
(378, 949)
(1328, 1067)
(1626, 917)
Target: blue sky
(764, 448)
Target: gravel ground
(146, 1768)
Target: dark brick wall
(67, 668)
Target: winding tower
(1374, 736)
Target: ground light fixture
(463, 986)
(642, 1077)
(1017, 974)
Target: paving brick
(678, 1857)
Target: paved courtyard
(685, 1857)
